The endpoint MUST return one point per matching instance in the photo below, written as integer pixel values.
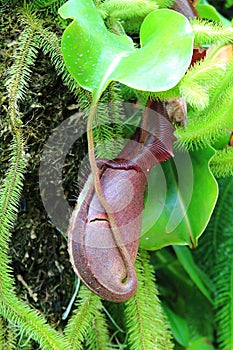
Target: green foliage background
(190, 284)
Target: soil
(43, 274)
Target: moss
(38, 250)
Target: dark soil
(39, 250)
(43, 274)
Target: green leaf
(179, 327)
(182, 194)
(184, 299)
(94, 56)
(163, 50)
(207, 11)
(185, 258)
(201, 344)
(182, 296)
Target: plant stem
(98, 189)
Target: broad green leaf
(179, 327)
(164, 56)
(182, 193)
(185, 258)
(201, 344)
(181, 295)
(90, 51)
(95, 56)
(207, 11)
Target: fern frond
(214, 255)
(50, 44)
(128, 9)
(7, 336)
(97, 2)
(206, 252)
(104, 131)
(199, 80)
(9, 201)
(222, 87)
(162, 95)
(30, 322)
(97, 337)
(211, 32)
(14, 339)
(11, 308)
(132, 27)
(20, 72)
(222, 163)
(78, 325)
(51, 5)
(145, 320)
(223, 271)
(11, 188)
(195, 94)
(164, 3)
(2, 332)
(126, 14)
(224, 292)
(216, 119)
(108, 124)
